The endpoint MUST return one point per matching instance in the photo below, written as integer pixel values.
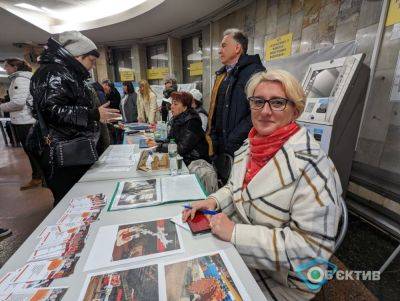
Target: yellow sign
(393, 13)
(157, 73)
(196, 69)
(279, 47)
(126, 75)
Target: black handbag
(73, 152)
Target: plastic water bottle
(158, 132)
(164, 134)
(172, 154)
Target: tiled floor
(20, 211)
(364, 247)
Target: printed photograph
(147, 238)
(138, 192)
(139, 284)
(203, 278)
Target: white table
(99, 172)
(193, 246)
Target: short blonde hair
(293, 90)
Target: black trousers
(21, 131)
(62, 179)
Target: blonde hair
(293, 90)
(146, 90)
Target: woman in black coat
(62, 100)
(186, 129)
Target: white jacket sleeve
(223, 197)
(18, 96)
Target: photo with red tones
(146, 238)
(136, 284)
(202, 278)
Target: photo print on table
(139, 284)
(201, 278)
(136, 193)
(143, 239)
(126, 243)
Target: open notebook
(150, 192)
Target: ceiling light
(29, 6)
(92, 10)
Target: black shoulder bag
(74, 152)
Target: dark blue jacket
(236, 115)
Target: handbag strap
(43, 127)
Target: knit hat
(77, 44)
(196, 95)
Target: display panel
(322, 82)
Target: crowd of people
(280, 204)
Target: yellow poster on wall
(157, 73)
(279, 47)
(126, 75)
(393, 13)
(196, 69)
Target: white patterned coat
(287, 215)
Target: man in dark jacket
(62, 102)
(170, 86)
(229, 116)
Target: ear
(238, 48)
(296, 114)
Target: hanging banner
(157, 73)
(127, 75)
(279, 47)
(393, 13)
(196, 69)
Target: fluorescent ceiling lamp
(92, 11)
(29, 6)
(80, 15)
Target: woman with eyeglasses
(280, 207)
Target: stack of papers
(67, 238)
(120, 155)
(57, 251)
(138, 126)
(32, 276)
(39, 294)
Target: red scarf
(262, 149)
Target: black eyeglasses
(275, 104)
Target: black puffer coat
(63, 97)
(189, 136)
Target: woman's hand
(107, 114)
(208, 204)
(222, 226)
